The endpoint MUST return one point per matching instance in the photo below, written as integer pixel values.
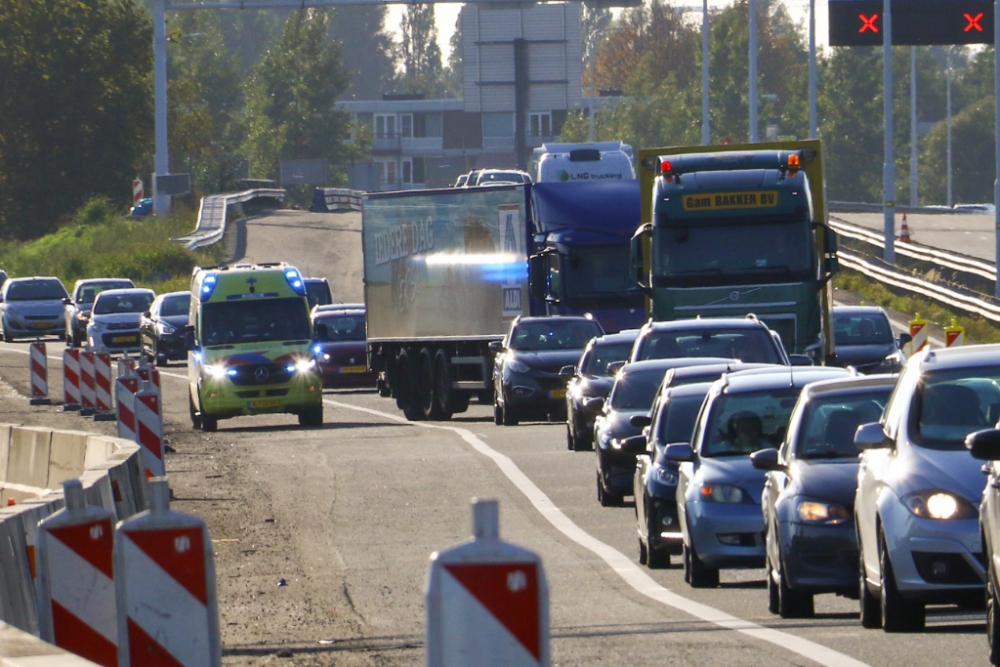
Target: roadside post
(147, 372)
(102, 387)
(126, 362)
(76, 589)
(126, 387)
(165, 588)
(39, 374)
(87, 384)
(148, 412)
(954, 335)
(71, 380)
(487, 601)
(918, 331)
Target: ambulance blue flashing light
(208, 286)
(295, 281)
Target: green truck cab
(733, 230)
(250, 345)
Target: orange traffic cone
(904, 232)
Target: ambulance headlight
(304, 365)
(214, 370)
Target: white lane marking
(633, 575)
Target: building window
(407, 171)
(498, 124)
(406, 125)
(540, 124)
(385, 126)
(390, 172)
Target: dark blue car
(807, 502)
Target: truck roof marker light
(295, 281)
(208, 286)
(666, 167)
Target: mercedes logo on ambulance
(260, 373)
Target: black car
(77, 309)
(318, 292)
(811, 543)
(655, 481)
(624, 415)
(862, 337)
(526, 379)
(591, 379)
(746, 339)
(161, 330)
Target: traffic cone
(904, 232)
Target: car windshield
(597, 359)
(950, 404)
(175, 305)
(677, 419)
(745, 344)
(635, 390)
(829, 424)
(500, 177)
(135, 302)
(36, 290)
(232, 322)
(553, 335)
(318, 293)
(741, 423)
(340, 328)
(861, 329)
(89, 291)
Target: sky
(446, 13)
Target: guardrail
(336, 199)
(213, 212)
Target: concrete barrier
(33, 462)
(19, 649)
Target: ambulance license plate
(263, 403)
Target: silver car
(916, 507)
(32, 307)
(115, 319)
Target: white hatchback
(114, 320)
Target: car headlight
(518, 366)
(97, 326)
(668, 477)
(305, 365)
(214, 370)
(942, 505)
(722, 493)
(811, 511)
(166, 328)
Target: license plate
(354, 369)
(125, 339)
(264, 403)
(42, 325)
(557, 393)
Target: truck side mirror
(641, 240)
(538, 277)
(829, 240)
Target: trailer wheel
(427, 389)
(444, 395)
(406, 395)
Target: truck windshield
(254, 321)
(598, 271)
(717, 251)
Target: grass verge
(100, 243)
(977, 329)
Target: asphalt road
(348, 515)
(968, 234)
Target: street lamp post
(754, 130)
(889, 168)
(706, 134)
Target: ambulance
(250, 345)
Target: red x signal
(868, 22)
(974, 22)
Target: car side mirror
(871, 436)
(800, 360)
(595, 404)
(189, 338)
(496, 346)
(984, 445)
(640, 421)
(678, 453)
(615, 366)
(767, 459)
(567, 371)
(634, 445)
(68, 301)
(147, 314)
(904, 339)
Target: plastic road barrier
(76, 579)
(39, 374)
(102, 387)
(954, 335)
(71, 379)
(149, 429)
(87, 397)
(918, 330)
(487, 601)
(126, 362)
(148, 373)
(165, 587)
(126, 387)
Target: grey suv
(32, 307)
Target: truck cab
(250, 345)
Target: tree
(419, 52)
(75, 107)
(366, 48)
(290, 99)
(454, 74)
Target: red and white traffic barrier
(76, 587)
(165, 586)
(126, 386)
(126, 362)
(87, 397)
(487, 601)
(102, 387)
(39, 374)
(149, 429)
(148, 373)
(71, 379)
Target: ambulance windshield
(254, 321)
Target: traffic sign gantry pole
(76, 589)
(487, 601)
(165, 588)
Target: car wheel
(7, 338)
(311, 417)
(773, 595)
(195, 417)
(992, 626)
(158, 358)
(898, 615)
(606, 499)
(497, 410)
(657, 559)
(871, 610)
(643, 554)
(697, 573)
(509, 416)
(209, 424)
(569, 438)
(792, 603)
